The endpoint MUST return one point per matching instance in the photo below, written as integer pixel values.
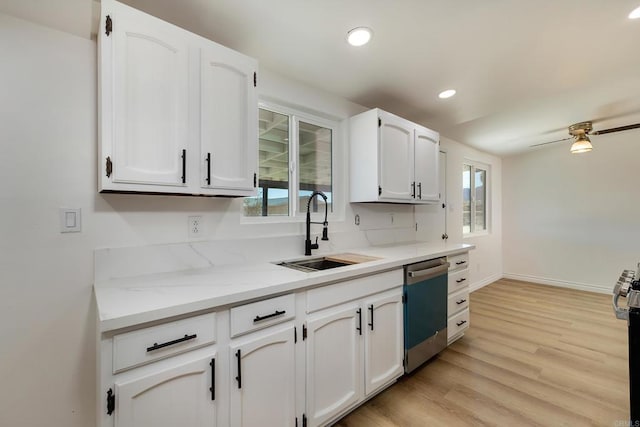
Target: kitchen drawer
(457, 302)
(258, 315)
(458, 280)
(457, 324)
(458, 262)
(338, 293)
(156, 342)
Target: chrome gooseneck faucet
(307, 243)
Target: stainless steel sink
(314, 264)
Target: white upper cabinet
(178, 113)
(228, 163)
(396, 157)
(427, 170)
(392, 159)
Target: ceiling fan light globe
(581, 145)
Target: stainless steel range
(628, 286)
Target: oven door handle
(428, 273)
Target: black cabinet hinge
(255, 79)
(108, 26)
(304, 332)
(111, 402)
(109, 166)
(255, 180)
(379, 122)
(379, 191)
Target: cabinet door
(144, 88)
(383, 340)
(229, 120)
(427, 173)
(263, 380)
(334, 362)
(395, 157)
(178, 396)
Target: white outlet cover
(195, 226)
(70, 220)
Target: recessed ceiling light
(635, 13)
(447, 94)
(359, 36)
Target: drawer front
(458, 280)
(258, 315)
(457, 324)
(338, 293)
(458, 262)
(457, 302)
(156, 342)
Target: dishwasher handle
(428, 273)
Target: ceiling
(524, 70)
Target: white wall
(572, 220)
(48, 129)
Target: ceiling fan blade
(618, 129)
(551, 142)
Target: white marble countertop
(126, 302)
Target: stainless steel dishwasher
(425, 311)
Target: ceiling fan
(580, 133)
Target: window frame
(296, 212)
(474, 165)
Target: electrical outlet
(195, 226)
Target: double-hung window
(474, 197)
(295, 159)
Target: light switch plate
(70, 220)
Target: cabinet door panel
(148, 78)
(229, 119)
(427, 165)
(396, 158)
(384, 340)
(334, 363)
(168, 398)
(267, 393)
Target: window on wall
(295, 159)
(474, 198)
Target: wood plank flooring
(534, 355)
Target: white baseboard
(560, 283)
(481, 284)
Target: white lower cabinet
(353, 351)
(384, 341)
(169, 394)
(263, 378)
(334, 362)
(458, 298)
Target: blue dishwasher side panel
(425, 310)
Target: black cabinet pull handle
(239, 377)
(371, 314)
(157, 346)
(461, 301)
(462, 322)
(420, 190)
(461, 262)
(184, 166)
(208, 160)
(212, 389)
(461, 280)
(269, 316)
(359, 328)
(413, 189)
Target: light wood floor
(533, 355)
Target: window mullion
(472, 198)
(293, 166)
